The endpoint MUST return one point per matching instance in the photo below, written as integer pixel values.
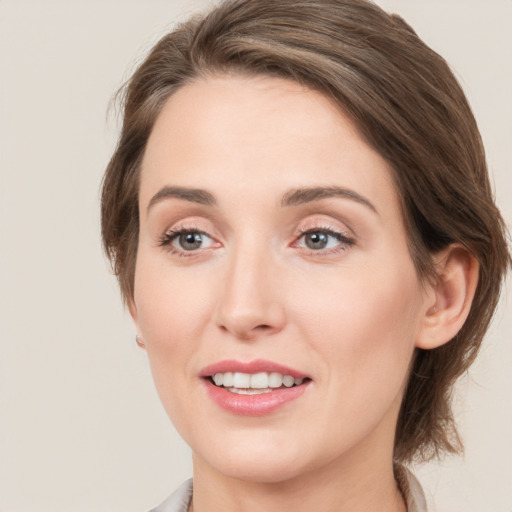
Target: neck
(336, 487)
(360, 479)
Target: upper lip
(255, 366)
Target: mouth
(256, 388)
(254, 383)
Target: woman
(300, 217)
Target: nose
(250, 301)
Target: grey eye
(316, 240)
(191, 241)
(324, 239)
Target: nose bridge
(249, 302)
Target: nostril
(250, 322)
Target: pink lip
(255, 366)
(252, 405)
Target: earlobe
(140, 341)
(452, 296)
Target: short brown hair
(409, 107)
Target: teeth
(288, 381)
(227, 379)
(250, 384)
(259, 380)
(275, 380)
(249, 391)
(241, 380)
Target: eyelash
(344, 241)
(169, 236)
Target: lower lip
(253, 405)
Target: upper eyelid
(210, 227)
(184, 228)
(320, 227)
(191, 225)
(179, 231)
(326, 225)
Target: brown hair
(408, 106)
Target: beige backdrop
(81, 428)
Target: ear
(451, 296)
(132, 308)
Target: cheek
(363, 326)
(170, 310)
(362, 336)
(170, 302)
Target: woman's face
(272, 245)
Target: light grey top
(413, 493)
(179, 500)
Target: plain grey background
(81, 427)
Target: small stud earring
(139, 341)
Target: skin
(349, 316)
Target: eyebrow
(294, 197)
(194, 195)
(309, 194)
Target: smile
(255, 388)
(254, 384)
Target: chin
(271, 469)
(260, 459)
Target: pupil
(191, 241)
(316, 240)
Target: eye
(186, 240)
(324, 240)
(190, 241)
(318, 240)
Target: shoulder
(178, 501)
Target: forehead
(259, 133)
